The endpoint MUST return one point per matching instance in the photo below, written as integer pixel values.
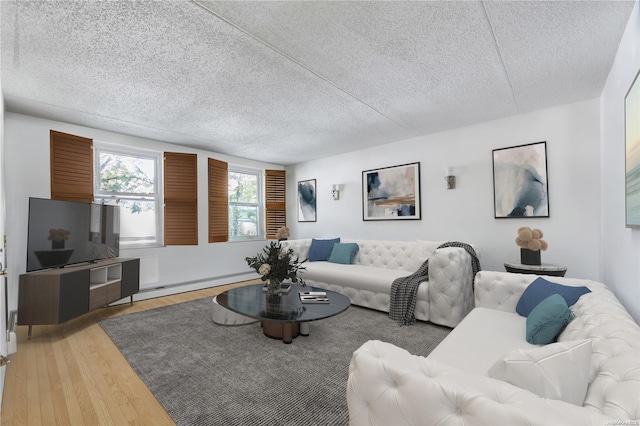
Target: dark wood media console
(56, 296)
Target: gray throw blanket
(404, 290)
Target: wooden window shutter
(71, 167)
(218, 201)
(275, 201)
(180, 198)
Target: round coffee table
(281, 316)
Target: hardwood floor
(82, 379)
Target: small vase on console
(529, 257)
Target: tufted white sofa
(387, 385)
(444, 299)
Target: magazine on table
(314, 297)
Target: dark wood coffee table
(281, 316)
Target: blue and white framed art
(391, 193)
(632, 153)
(307, 200)
(520, 184)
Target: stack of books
(314, 297)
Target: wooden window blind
(218, 201)
(275, 201)
(71, 167)
(180, 198)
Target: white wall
(192, 267)
(621, 246)
(466, 214)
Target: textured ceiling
(286, 82)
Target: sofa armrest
(500, 290)
(388, 385)
(450, 286)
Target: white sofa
(387, 385)
(444, 299)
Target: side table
(543, 269)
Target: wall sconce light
(450, 178)
(335, 191)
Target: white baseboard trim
(183, 287)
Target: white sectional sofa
(444, 299)
(451, 386)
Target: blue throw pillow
(343, 253)
(547, 320)
(321, 249)
(540, 289)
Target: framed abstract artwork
(391, 193)
(520, 184)
(307, 200)
(632, 154)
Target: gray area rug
(206, 374)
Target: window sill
(140, 246)
(246, 240)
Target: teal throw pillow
(547, 320)
(540, 289)
(343, 253)
(321, 249)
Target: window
(244, 204)
(131, 179)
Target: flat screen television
(62, 233)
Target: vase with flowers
(530, 242)
(276, 264)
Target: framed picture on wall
(307, 200)
(520, 184)
(632, 153)
(391, 193)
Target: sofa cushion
(383, 254)
(540, 289)
(375, 280)
(343, 253)
(556, 371)
(547, 320)
(320, 250)
(474, 345)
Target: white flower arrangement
(276, 264)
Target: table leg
(304, 329)
(29, 332)
(287, 332)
